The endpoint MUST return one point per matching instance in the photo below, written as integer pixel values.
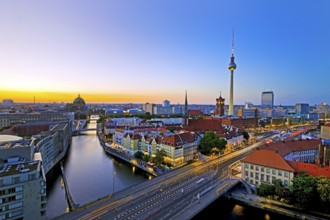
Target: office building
(267, 99)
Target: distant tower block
(220, 110)
(232, 67)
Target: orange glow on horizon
(68, 97)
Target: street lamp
(113, 181)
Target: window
(246, 173)
(257, 176)
(286, 174)
(267, 170)
(267, 178)
(19, 188)
(251, 167)
(257, 168)
(246, 166)
(19, 196)
(251, 174)
(279, 173)
(273, 172)
(262, 177)
(1, 182)
(262, 169)
(15, 205)
(286, 183)
(15, 180)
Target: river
(91, 174)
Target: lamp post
(113, 181)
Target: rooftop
(284, 148)
(9, 138)
(311, 169)
(18, 167)
(268, 158)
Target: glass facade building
(267, 99)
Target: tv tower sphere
(232, 64)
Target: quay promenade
(274, 206)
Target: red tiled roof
(311, 169)
(178, 139)
(268, 158)
(195, 112)
(284, 148)
(204, 125)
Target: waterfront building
(53, 144)
(8, 119)
(132, 142)
(22, 181)
(265, 166)
(179, 148)
(33, 128)
(281, 160)
(119, 134)
(149, 145)
(267, 99)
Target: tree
(279, 190)
(159, 156)
(265, 190)
(323, 189)
(210, 141)
(303, 190)
(246, 135)
(138, 155)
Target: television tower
(232, 67)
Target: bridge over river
(178, 194)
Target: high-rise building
(302, 108)
(232, 67)
(267, 99)
(220, 110)
(166, 103)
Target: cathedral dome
(79, 102)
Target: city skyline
(146, 51)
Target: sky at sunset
(151, 50)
